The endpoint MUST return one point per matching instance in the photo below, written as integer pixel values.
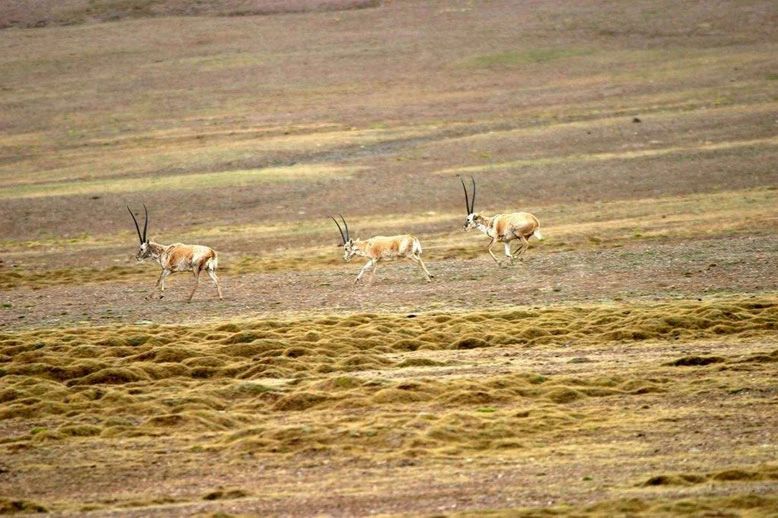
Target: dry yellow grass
(743, 505)
(622, 155)
(195, 181)
(125, 163)
(388, 388)
(65, 361)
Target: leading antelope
(502, 228)
(380, 248)
(176, 258)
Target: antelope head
(349, 247)
(144, 250)
(470, 221)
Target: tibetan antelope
(503, 228)
(176, 258)
(380, 248)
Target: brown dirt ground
(639, 272)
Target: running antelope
(502, 227)
(380, 248)
(176, 258)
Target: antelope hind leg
(159, 285)
(362, 271)
(212, 275)
(418, 261)
(196, 274)
(523, 248)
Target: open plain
(627, 366)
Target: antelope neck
(156, 250)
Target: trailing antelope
(380, 248)
(503, 228)
(176, 258)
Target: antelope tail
(538, 235)
(417, 247)
(212, 263)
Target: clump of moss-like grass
(226, 494)
(419, 362)
(695, 361)
(19, 506)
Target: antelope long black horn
(342, 236)
(137, 228)
(472, 198)
(145, 223)
(467, 198)
(348, 235)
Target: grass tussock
(229, 377)
(247, 350)
(694, 361)
(765, 472)
(226, 494)
(738, 504)
(743, 504)
(20, 506)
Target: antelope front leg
(492, 253)
(507, 246)
(160, 284)
(372, 271)
(363, 270)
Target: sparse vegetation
(346, 392)
(185, 182)
(523, 57)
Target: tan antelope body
(503, 228)
(381, 248)
(177, 257)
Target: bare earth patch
(37, 13)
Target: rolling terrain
(625, 367)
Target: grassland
(625, 367)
